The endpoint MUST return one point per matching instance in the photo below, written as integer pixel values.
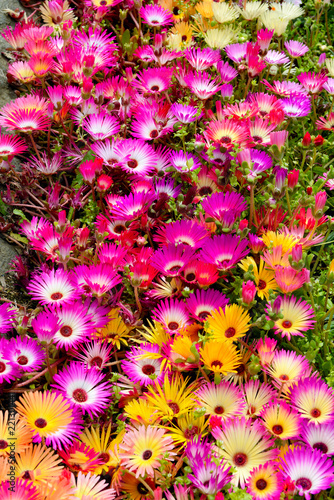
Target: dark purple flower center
(219, 410)
(203, 315)
(27, 475)
(132, 163)
(240, 459)
(216, 364)
(304, 483)
(226, 139)
(147, 454)
(261, 484)
(241, 369)
(174, 269)
(155, 88)
(284, 377)
(262, 285)
(174, 407)
(3, 444)
(96, 361)
(22, 360)
(56, 296)
(148, 369)
(315, 413)
(286, 324)
(205, 190)
(119, 229)
(141, 489)
(190, 277)
(41, 423)
(66, 331)
(173, 325)
(154, 134)
(230, 332)
(321, 446)
(104, 457)
(277, 429)
(190, 433)
(257, 138)
(80, 395)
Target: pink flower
(248, 292)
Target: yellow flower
(108, 449)
(23, 435)
(115, 331)
(272, 239)
(174, 399)
(331, 267)
(223, 12)
(63, 14)
(205, 8)
(220, 357)
(219, 38)
(135, 488)
(229, 324)
(188, 427)
(264, 279)
(4, 469)
(38, 464)
(183, 30)
(155, 333)
(141, 411)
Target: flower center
(262, 285)
(190, 277)
(241, 369)
(155, 88)
(147, 454)
(119, 229)
(205, 190)
(2, 367)
(321, 446)
(27, 475)
(240, 459)
(203, 315)
(148, 369)
(3, 444)
(66, 331)
(22, 360)
(304, 483)
(56, 296)
(174, 269)
(176, 11)
(286, 324)
(216, 364)
(190, 433)
(219, 410)
(226, 139)
(104, 457)
(41, 423)
(154, 134)
(97, 361)
(141, 489)
(315, 413)
(277, 429)
(284, 377)
(261, 484)
(132, 163)
(184, 38)
(174, 407)
(80, 395)
(230, 332)
(257, 138)
(173, 325)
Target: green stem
(288, 200)
(251, 208)
(320, 252)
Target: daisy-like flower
(209, 477)
(264, 278)
(8, 369)
(142, 366)
(310, 471)
(265, 483)
(227, 133)
(55, 13)
(187, 232)
(287, 368)
(201, 59)
(313, 399)
(201, 84)
(245, 446)
(153, 80)
(281, 420)
(224, 400)
(141, 157)
(218, 204)
(115, 331)
(171, 259)
(53, 287)
(49, 416)
(257, 396)
(7, 317)
(84, 388)
(320, 437)
(219, 38)
(172, 314)
(23, 490)
(275, 57)
(133, 206)
(260, 130)
(296, 105)
(10, 145)
(96, 354)
(45, 326)
(26, 354)
(91, 486)
(252, 10)
(154, 15)
(312, 82)
(101, 126)
(220, 357)
(202, 303)
(285, 88)
(297, 317)
(134, 487)
(329, 86)
(172, 399)
(38, 464)
(224, 13)
(184, 162)
(25, 120)
(224, 251)
(141, 411)
(76, 325)
(142, 449)
(21, 433)
(227, 325)
(295, 48)
(96, 279)
(78, 456)
(185, 113)
(266, 349)
(99, 440)
(289, 280)
(188, 426)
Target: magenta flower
(154, 15)
(202, 85)
(101, 126)
(216, 205)
(185, 113)
(141, 159)
(7, 317)
(11, 146)
(264, 38)
(225, 251)
(133, 206)
(201, 59)
(296, 105)
(143, 368)
(76, 325)
(184, 162)
(53, 287)
(171, 259)
(96, 280)
(248, 292)
(312, 82)
(45, 326)
(172, 314)
(26, 354)
(296, 49)
(84, 388)
(227, 72)
(202, 303)
(188, 232)
(153, 80)
(237, 51)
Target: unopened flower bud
(306, 140)
(248, 292)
